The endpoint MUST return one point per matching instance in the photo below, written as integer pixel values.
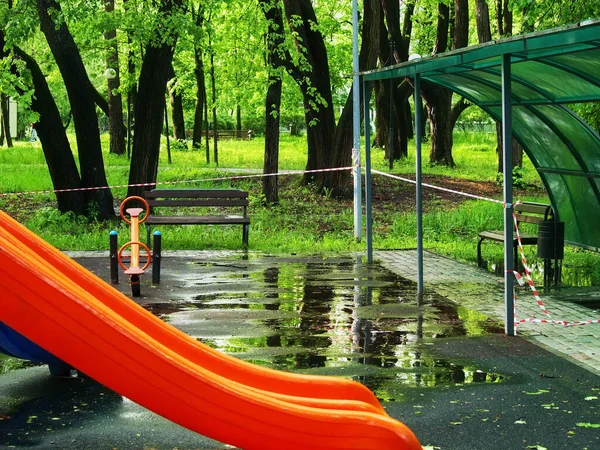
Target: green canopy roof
(549, 69)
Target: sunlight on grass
(303, 221)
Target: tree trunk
(79, 90)
(482, 19)
(461, 24)
(6, 119)
(200, 89)
(55, 144)
(344, 139)
(213, 85)
(438, 98)
(1, 128)
(200, 101)
(316, 89)
(115, 102)
(176, 107)
(393, 113)
(275, 39)
(132, 93)
(439, 102)
(238, 117)
(149, 109)
(271, 164)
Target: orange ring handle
(134, 197)
(127, 245)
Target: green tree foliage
(238, 45)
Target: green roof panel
(549, 69)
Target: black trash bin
(551, 247)
(551, 240)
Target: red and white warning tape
(162, 183)
(534, 291)
(518, 276)
(438, 188)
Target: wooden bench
(200, 198)
(526, 212)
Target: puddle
(336, 317)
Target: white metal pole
(356, 127)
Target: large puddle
(328, 316)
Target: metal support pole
(419, 192)
(356, 127)
(509, 278)
(368, 185)
(156, 257)
(114, 264)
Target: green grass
(474, 155)
(303, 222)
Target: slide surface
(77, 317)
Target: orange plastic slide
(76, 316)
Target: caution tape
(438, 188)
(517, 275)
(163, 183)
(534, 291)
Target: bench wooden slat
(197, 220)
(533, 208)
(498, 236)
(529, 219)
(204, 202)
(195, 193)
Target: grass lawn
(303, 222)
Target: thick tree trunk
(149, 110)
(439, 99)
(6, 119)
(318, 101)
(461, 24)
(482, 19)
(275, 39)
(176, 107)
(81, 98)
(392, 112)
(439, 102)
(55, 144)
(115, 102)
(271, 164)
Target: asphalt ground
(539, 400)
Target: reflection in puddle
(332, 317)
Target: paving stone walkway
(481, 291)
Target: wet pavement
(439, 362)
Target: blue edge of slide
(15, 344)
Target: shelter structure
(525, 82)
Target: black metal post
(114, 264)
(156, 257)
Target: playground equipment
(75, 316)
(16, 345)
(116, 257)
